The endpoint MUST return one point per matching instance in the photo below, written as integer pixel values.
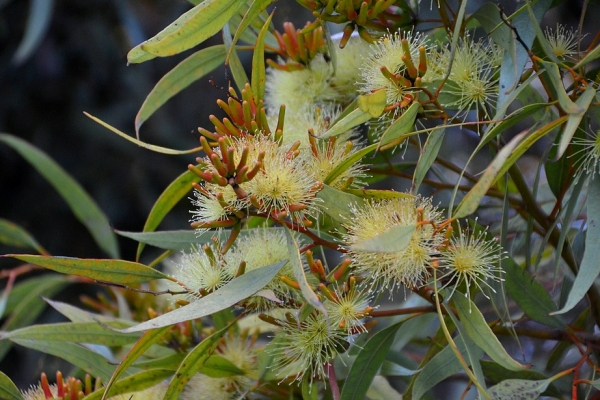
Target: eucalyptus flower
(563, 42)
(590, 154)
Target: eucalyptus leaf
(518, 388)
(259, 76)
(394, 240)
(12, 234)
(8, 390)
(134, 383)
(337, 204)
(350, 121)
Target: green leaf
(574, 120)
(367, 363)
(378, 194)
(495, 373)
(400, 127)
(170, 240)
(394, 240)
(166, 201)
(89, 361)
(259, 76)
(184, 74)
(443, 365)
(518, 388)
(12, 234)
(373, 103)
(86, 332)
(513, 119)
(194, 360)
(309, 388)
(347, 162)
(233, 292)
(255, 9)
(530, 295)
(38, 22)
(351, 120)
(170, 362)
(219, 367)
(552, 77)
(78, 315)
(589, 57)
(25, 305)
(190, 29)
(79, 201)
(233, 60)
(389, 368)
(144, 343)
(427, 158)
(157, 149)
(8, 390)
(298, 271)
(590, 267)
(113, 271)
(478, 330)
(133, 383)
(337, 203)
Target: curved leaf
(191, 28)
(192, 363)
(378, 194)
(133, 383)
(394, 240)
(114, 271)
(337, 203)
(166, 201)
(348, 162)
(495, 373)
(181, 76)
(401, 126)
(12, 234)
(257, 7)
(233, 292)
(259, 76)
(574, 120)
(482, 335)
(349, 121)
(8, 390)
(427, 158)
(367, 363)
(38, 21)
(518, 388)
(372, 103)
(79, 201)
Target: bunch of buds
(71, 389)
(299, 47)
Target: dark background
(80, 65)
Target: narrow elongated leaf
(367, 363)
(78, 315)
(309, 388)
(495, 373)
(8, 390)
(25, 304)
(170, 240)
(530, 295)
(378, 194)
(298, 270)
(12, 234)
(233, 60)
(38, 21)
(337, 203)
(518, 388)
(350, 160)
(513, 119)
(373, 103)
(443, 365)
(194, 360)
(114, 271)
(157, 149)
(133, 383)
(554, 79)
(590, 267)
(478, 330)
(351, 120)
(233, 292)
(184, 74)
(403, 125)
(170, 362)
(589, 57)
(389, 368)
(88, 360)
(257, 7)
(394, 240)
(79, 201)
(574, 120)
(166, 201)
(430, 152)
(144, 343)
(259, 76)
(192, 28)
(86, 332)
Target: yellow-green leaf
(184, 74)
(257, 7)
(113, 271)
(337, 203)
(378, 194)
(258, 63)
(403, 125)
(192, 28)
(12, 234)
(80, 202)
(8, 390)
(394, 240)
(574, 120)
(373, 103)
(133, 383)
(555, 85)
(349, 121)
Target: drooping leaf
(394, 240)
(349, 121)
(337, 203)
(189, 30)
(376, 194)
(38, 21)
(478, 330)
(518, 388)
(85, 332)
(552, 76)
(589, 267)
(8, 390)
(298, 270)
(194, 360)
(255, 9)
(589, 57)
(233, 292)
(134, 383)
(347, 162)
(367, 363)
(400, 127)
(24, 303)
(574, 120)
(144, 343)
(427, 158)
(166, 201)
(530, 295)
(511, 120)
(12, 234)
(83, 206)
(82, 357)
(259, 76)
(443, 365)
(181, 76)
(389, 368)
(114, 271)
